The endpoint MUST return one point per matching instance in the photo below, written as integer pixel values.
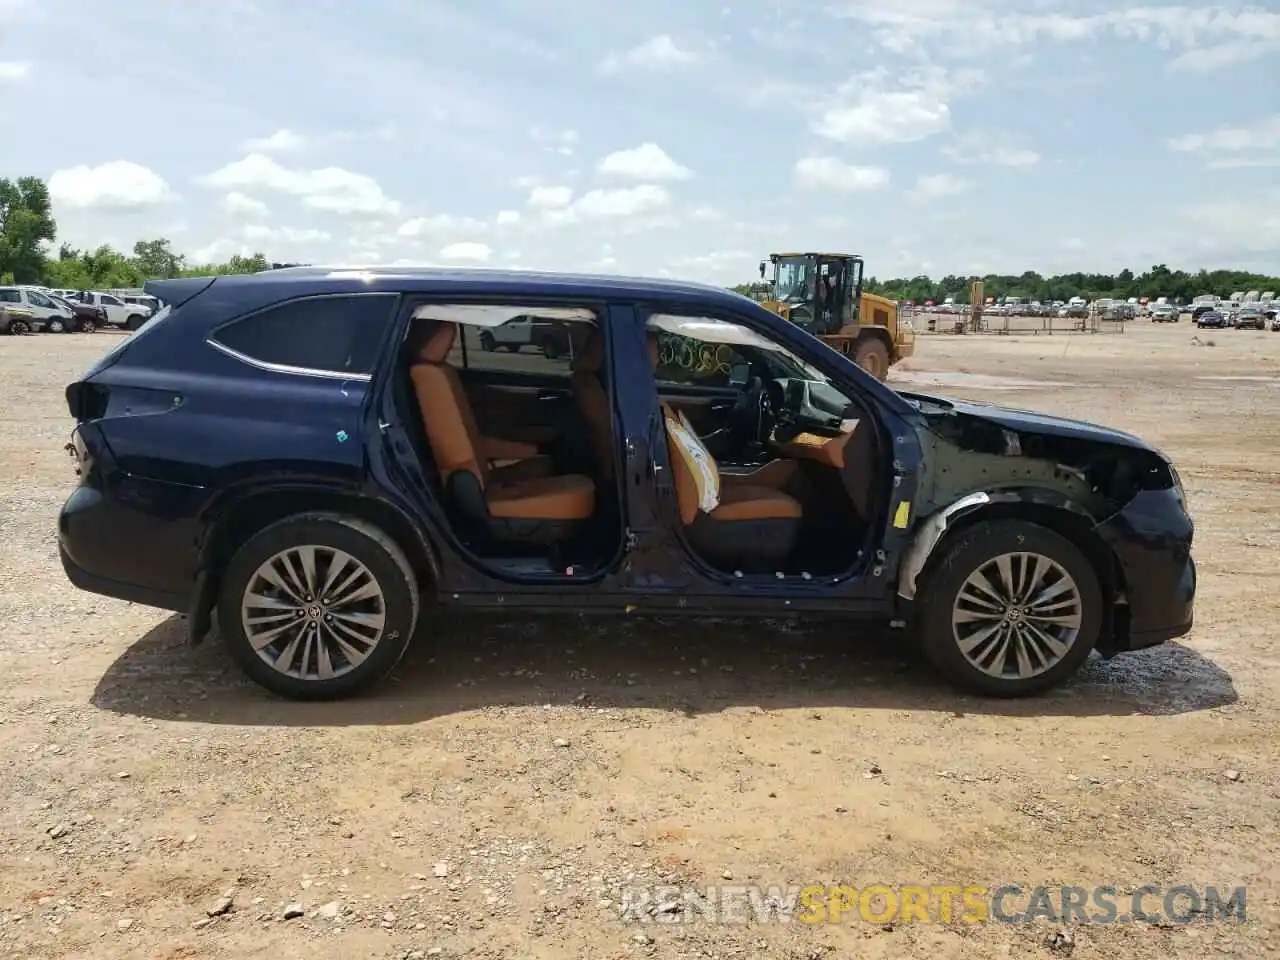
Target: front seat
(736, 526)
(506, 505)
(593, 401)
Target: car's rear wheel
(19, 327)
(135, 322)
(550, 349)
(318, 606)
(487, 343)
(87, 325)
(1010, 609)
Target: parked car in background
(87, 318)
(15, 319)
(141, 300)
(130, 316)
(1250, 318)
(1163, 313)
(547, 335)
(46, 313)
(1212, 318)
(323, 457)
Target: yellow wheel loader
(822, 292)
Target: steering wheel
(754, 412)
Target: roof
(811, 254)
(459, 282)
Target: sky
(670, 138)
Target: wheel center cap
(315, 611)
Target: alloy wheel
(1017, 615)
(313, 612)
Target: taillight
(86, 401)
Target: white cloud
(467, 250)
(557, 205)
(627, 202)
(329, 189)
(990, 148)
(240, 205)
(1253, 145)
(257, 232)
(903, 25)
(828, 173)
(874, 107)
(563, 142)
(647, 162)
(14, 70)
(282, 141)
(508, 217)
(657, 53)
(437, 225)
(550, 198)
(936, 185)
(118, 185)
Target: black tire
(487, 343)
(369, 545)
(56, 325)
(872, 356)
(87, 326)
(135, 321)
(19, 327)
(968, 552)
(550, 349)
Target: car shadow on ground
(472, 661)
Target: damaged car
(322, 460)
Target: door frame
(660, 563)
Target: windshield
(793, 277)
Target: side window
(692, 362)
(10, 296)
(39, 300)
(524, 344)
(111, 301)
(338, 334)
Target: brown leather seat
(753, 527)
(593, 401)
(516, 502)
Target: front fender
(932, 528)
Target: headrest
(437, 344)
(591, 358)
(651, 341)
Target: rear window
(325, 335)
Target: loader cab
(818, 291)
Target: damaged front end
(1116, 497)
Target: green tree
(26, 225)
(156, 260)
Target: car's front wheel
(318, 606)
(1010, 608)
(56, 325)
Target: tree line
(1159, 281)
(28, 229)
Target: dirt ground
(498, 798)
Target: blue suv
(324, 458)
